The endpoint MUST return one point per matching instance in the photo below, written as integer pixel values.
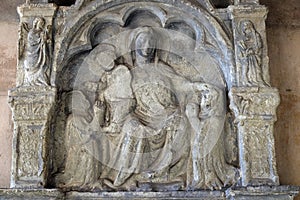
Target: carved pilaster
(32, 111)
(255, 114)
(35, 47)
(251, 53)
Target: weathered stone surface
(200, 195)
(35, 46)
(147, 95)
(31, 109)
(249, 193)
(255, 112)
(139, 97)
(19, 194)
(263, 192)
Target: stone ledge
(248, 193)
(200, 195)
(262, 192)
(32, 194)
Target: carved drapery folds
(131, 96)
(35, 45)
(33, 99)
(143, 89)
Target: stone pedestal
(31, 108)
(255, 114)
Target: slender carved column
(253, 101)
(34, 97)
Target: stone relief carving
(81, 168)
(31, 109)
(28, 159)
(37, 49)
(148, 131)
(138, 100)
(255, 114)
(250, 47)
(206, 119)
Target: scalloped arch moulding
(151, 99)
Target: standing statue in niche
(36, 64)
(251, 55)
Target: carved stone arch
(83, 41)
(103, 30)
(146, 14)
(174, 21)
(207, 4)
(200, 16)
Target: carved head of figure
(38, 23)
(107, 57)
(144, 44)
(247, 27)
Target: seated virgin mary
(168, 137)
(153, 144)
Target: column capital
(254, 103)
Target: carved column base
(32, 111)
(262, 193)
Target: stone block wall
(283, 29)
